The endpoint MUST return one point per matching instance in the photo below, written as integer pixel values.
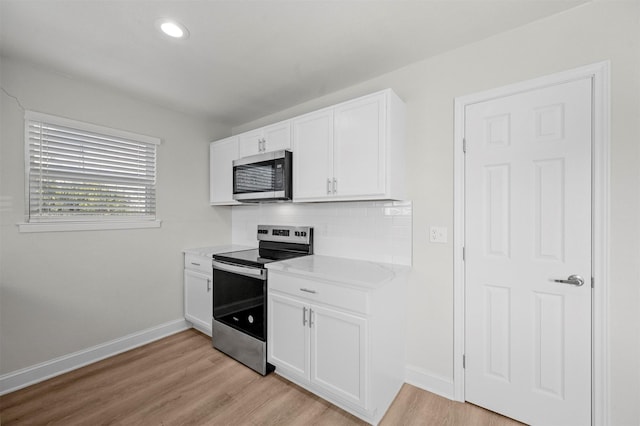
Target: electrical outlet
(438, 234)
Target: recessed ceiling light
(172, 28)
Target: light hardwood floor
(182, 380)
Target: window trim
(79, 223)
(86, 226)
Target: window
(90, 176)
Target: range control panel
(289, 234)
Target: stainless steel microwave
(263, 177)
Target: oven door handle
(258, 273)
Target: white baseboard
(430, 382)
(36, 373)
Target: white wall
(62, 292)
(591, 33)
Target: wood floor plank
(182, 380)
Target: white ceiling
(247, 59)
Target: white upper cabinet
(347, 152)
(221, 156)
(351, 151)
(265, 139)
(359, 148)
(313, 165)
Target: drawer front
(194, 262)
(320, 291)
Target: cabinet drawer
(320, 292)
(194, 262)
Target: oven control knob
(250, 319)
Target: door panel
(198, 301)
(277, 136)
(313, 155)
(221, 156)
(338, 347)
(287, 337)
(249, 143)
(528, 222)
(359, 147)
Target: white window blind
(82, 172)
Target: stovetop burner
(275, 243)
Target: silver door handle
(576, 280)
(208, 284)
(328, 186)
(304, 316)
(310, 317)
(335, 185)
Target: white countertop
(359, 273)
(209, 251)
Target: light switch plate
(438, 234)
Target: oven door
(239, 298)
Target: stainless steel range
(240, 292)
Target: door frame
(600, 77)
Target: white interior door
(527, 223)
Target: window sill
(86, 226)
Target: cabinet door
(359, 147)
(313, 156)
(288, 334)
(221, 156)
(270, 138)
(277, 136)
(339, 353)
(198, 301)
(250, 143)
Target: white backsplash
(372, 230)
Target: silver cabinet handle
(306, 290)
(328, 186)
(208, 284)
(304, 316)
(576, 280)
(310, 317)
(335, 185)
(195, 264)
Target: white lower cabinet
(339, 353)
(337, 341)
(304, 338)
(288, 346)
(198, 288)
